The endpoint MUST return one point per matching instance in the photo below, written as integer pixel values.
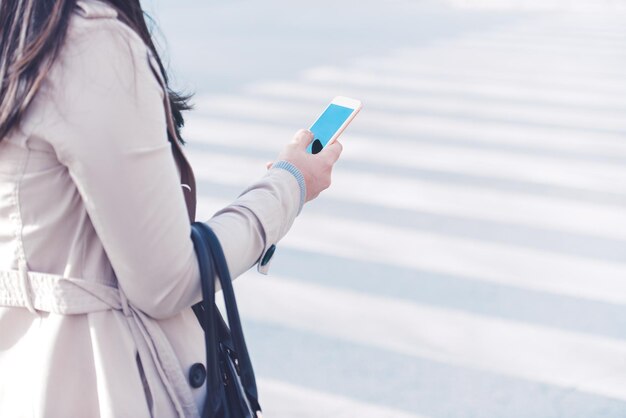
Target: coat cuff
(288, 172)
(275, 201)
(286, 165)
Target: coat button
(268, 255)
(197, 375)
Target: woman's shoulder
(102, 67)
(96, 25)
(99, 49)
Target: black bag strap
(218, 265)
(205, 313)
(247, 373)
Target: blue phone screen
(325, 127)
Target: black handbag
(230, 382)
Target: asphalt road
(470, 258)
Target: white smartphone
(332, 122)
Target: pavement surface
(470, 257)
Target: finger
(333, 151)
(303, 138)
(269, 164)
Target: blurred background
(470, 257)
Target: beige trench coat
(97, 268)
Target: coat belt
(69, 296)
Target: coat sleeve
(111, 136)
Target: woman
(97, 268)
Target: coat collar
(94, 9)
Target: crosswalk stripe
(531, 113)
(458, 200)
(507, 63)
(493, 164)
(548, 115)
(486, 88)
(536, 35)
(504, 72)
(497, 164)
(388, 125)
(539, 48)
(497, 263)
(589, 364)
(268, 137)
(514, 63)
(540, 5)
(288, 400)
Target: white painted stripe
(450, 54)
(284, 400)
(520, 267)
(485, 88)
(572, 52)
(463, 201)
(481, 70)
(496, 263)
(583, 362)
(541, 5)
(548, 35)
(449, 159)
(458, 106)
(415, 125)
(259, 135)
(603, 29)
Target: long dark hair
(31, 35)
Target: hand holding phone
(332, 122)
(316, 169)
